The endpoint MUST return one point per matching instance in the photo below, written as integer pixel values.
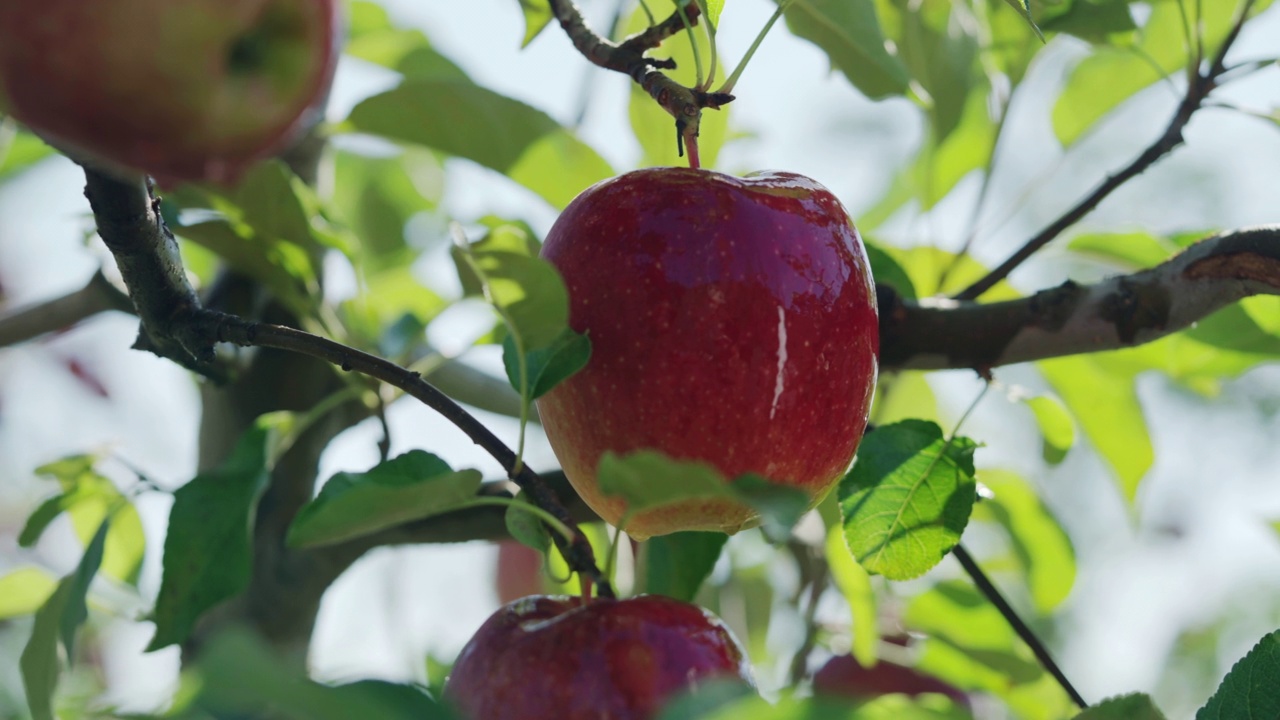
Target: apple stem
(690, 143)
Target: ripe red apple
(844, 676)
(180, 89)
(565, 658)
(732, 321)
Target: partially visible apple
(732, 321)
(179, 89)
(565, 658)
(519, 571)
(843, 676)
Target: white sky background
(1200, 550)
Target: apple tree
(320, 225)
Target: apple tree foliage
(918, 485)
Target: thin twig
(1023, 631)
(1202, 82)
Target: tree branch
(683, 103)
(27, 323)
(1202, 82)
(1120, 312)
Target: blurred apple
(844, 676)
(732, 321)
(565, 658)
(519, 571)
(179, 89)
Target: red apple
(519, 571)
(844, 676)
(565, 658)
(180, 89)
(732, 321)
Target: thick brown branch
(1070, 319)
(1198, 89)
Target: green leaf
(466, 120)
(712, 10)
(1056, 427)
(940, 56)
(944, 161)
(377, 196)
(904, 395)
(780, 506)
(849, 32)
(1249, 691)
(885, 269)
(1092, 20)
(409, 487)
(1040, 545)
(1234, 328)
(547, 366)
(242, 678)
(653, 126)
(1103, 399)
(854, 584)
(676, 565)
(24, 590)
(1024, 9)
(208, 551)
(526, 527)
(1130, 251)
(537, 13)
(285, 269)
(1135, 706)
(907, 499)
(649, 479)
(60, 616)
(19, 150)
(726, 705)
(528, 292)
(699, 702)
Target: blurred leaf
(1024, 9)
(466, 120)
(1105, 402)
(724, 706)
(712, 10)
(849, 32)
(376, 197)
(373, 38)
(654, 128)
(502, 236)
(904, 395)
(526, 527)
(537, 13)
(285, 269)
(700, 702)
(547, 366)
(1234, 328)
(1111, 75)
(19, 150)
(409, 487)
(939, 51)
(934, 271)
(944, 161)
(208, 551)
(1056, 427)
(527, 292)
(241, 677)
(1249, 691)
(907, 499)
(649, 479)
(676, 565)
(886, 270)
(780, 506)
(1094, 20)
(1136, 706)
(854, 584)
(24, 590)
(90, 498)
(1040, 545)
(59, 617)
(970, 645)
(1131, 251)
(394, 293)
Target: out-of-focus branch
(683, 103)
(1201, 83)
(1120, 312)
(26, 323)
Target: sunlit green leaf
(907, 499)
(653, 126)
(940, 53)
(526, 527)
(1104, 401)
(19, 150)
(1024, 9)
(1056, 427)
(537, 13)
(780, 506)
(59, 617)
(408, 487)
(1248, 692)
(547, 366)
(528, 293)
(849, 32)
(902, 396)
(466, 120)
(1234, 328)
(377, 196)
(208, 551)
(1094, 21)
(676, 565)
(648, 479)
(1131, 251)
(885, 269)
(24, 590)
(1040, 545)
(969, 146)
(854, 584)
(1136, 706)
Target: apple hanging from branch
(178, 89)
(568, 658)
(732, 321)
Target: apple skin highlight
(732, 321)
